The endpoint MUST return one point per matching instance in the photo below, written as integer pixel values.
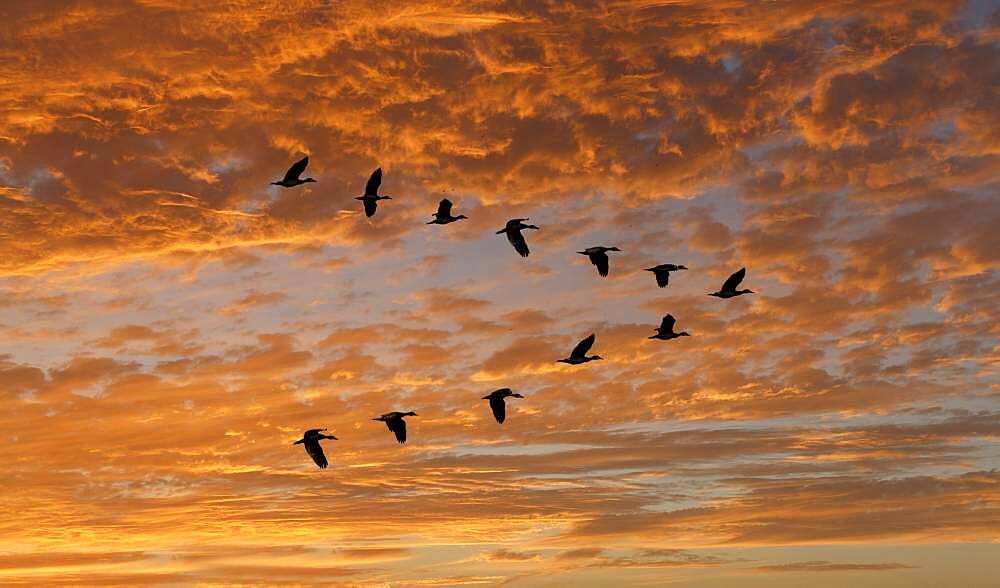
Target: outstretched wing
(734, 280)
(370, 206)
(667, 326)
(444, 209)
(662, 278)
(397, 426)
(371, 188)
(499, 408)
(296, 170)
(600, 259)
(583, 347)
(316, 452)
(517, 240)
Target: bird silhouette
(599, 257)
(666, 332)
(728, 289)
(310, 439)
(291, 178)
(497, 404)
(662, 273)
(396, 424)
(371, 196)
(579, 353)
(513, 229)
(443, 214)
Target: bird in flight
(443, 215)
(371, 197)
(291, 178)
(728, 289)
(662, 273)
(497, 404)
(513, 229)
(310, 439)
(599, 257)
(396, 424)
(579, 353)
(665, 331)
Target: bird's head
(583, 253)
(531, 227)
(330, 437)
(460, 216)
(381, 418)
(411, 413)
(682, 267)
(502, 231)
(747, 292)
(683, 334)
(613, 249)
(487, 397)
(303, 440)
(308, 180)
(516, 395)
(596, 357)
(716, 294)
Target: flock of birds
(598, 257)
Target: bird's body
(728, 289)
(443, 214)
(371, 196)
(513, 229)
(310, 439)
(579, 353)
(291, 178)
(497, 404)
(662, 273)
(599, 257)
(665, 331)
(394, 421)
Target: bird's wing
(600, 259)
(499, 408)
(444, 209)
(316, 452)
(370, 206)
(397, 426)
(583, 347)
(662, 278)
(734, 280)
(296, 170)
(668, 324)
(517, 240)
(371, 188)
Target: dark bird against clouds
(394, 420)
(443, 214)
(292, 175)
(497, 403)
(666, 332)
(728, 289)
(310, 439)
(662, 273)
(513, 229)
(579, 353)
(371, 196)
(599, 257)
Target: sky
(170, 322)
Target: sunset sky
(170, 322)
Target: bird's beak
(376, 419)
(486, 397)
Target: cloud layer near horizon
(171, 323)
